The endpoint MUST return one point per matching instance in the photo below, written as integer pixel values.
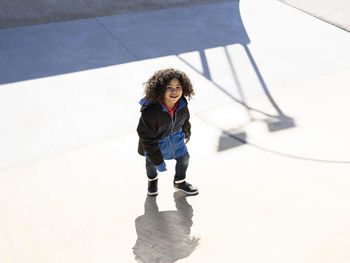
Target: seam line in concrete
(265, 149)
(116, 38)
(78, 147)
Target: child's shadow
(164, 237)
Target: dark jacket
(161, 136)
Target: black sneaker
(153, 187)
(185, 187)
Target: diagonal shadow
(59, 48)
(14, 13)
(164, 236)
(275, 122)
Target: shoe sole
(189, 193)
(155, 193)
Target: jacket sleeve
(186, 128)
(147, 131)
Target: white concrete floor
(334, 12)
(73, 189)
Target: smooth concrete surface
(80, 75)
(90, 205)
(14, 13)
(269, 150)
(335, 12)
(58, 48)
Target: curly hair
(155, 86)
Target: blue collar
(182, 103)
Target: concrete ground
(14, 13)
(269, 150)
(335, 12)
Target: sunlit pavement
(269, 147)
(332, 12)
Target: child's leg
(181, 167)
(150, 169)
(180, 175)
(152, 178)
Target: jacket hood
(144, 102)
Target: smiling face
(173, 92)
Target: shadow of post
(281, 121)
(276, 122)
(164, 236)
(73, 46)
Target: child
(164, 128)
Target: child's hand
(187, 140)
(161, 167)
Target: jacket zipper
(172, 147)
(172, 128)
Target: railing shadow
(58, 48)
(275, 122)
(164, 236)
